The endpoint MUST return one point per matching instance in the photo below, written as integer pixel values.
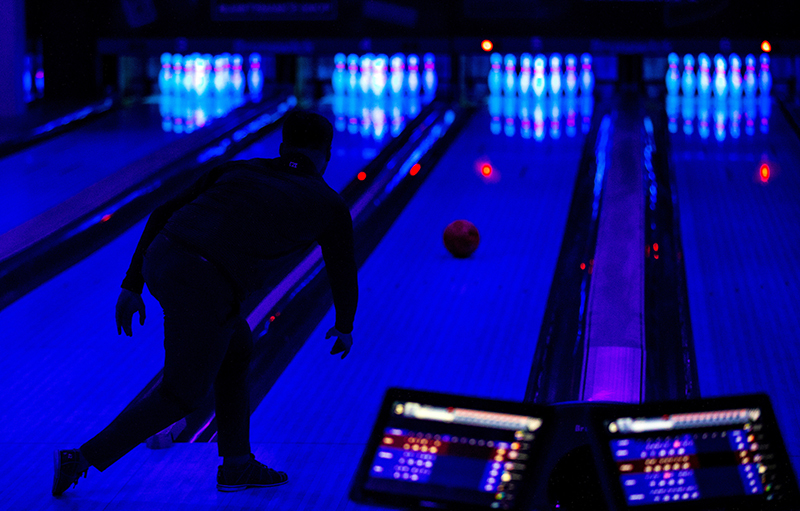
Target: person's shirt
(243, 214)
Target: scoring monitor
(438, 450)
(724, 453)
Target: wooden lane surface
(65, 373)
(46, 174)
(741, 239)
(425, 319)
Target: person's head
(309, 133)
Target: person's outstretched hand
(127, 304)
(343, 342)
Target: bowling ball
(461, 238)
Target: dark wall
(550, 18)
(67, 31)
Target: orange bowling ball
(461, 238)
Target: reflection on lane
(723, 115)
(372, 116)
(540, 116)
(184, 113)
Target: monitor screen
(704, 454)
(449, 451)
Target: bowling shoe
(252, 475)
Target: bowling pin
(688, 80)
(379, 75)
(188, 73)
(219, 75)
(210, 73)
(586, 82)
(413, 105)
(525, 73)
(571, 114)
(178, 110)
(397, 74)
(764, 110)
(703, 75)
(538, 118)
(255, 77)
(673, 78)
(221, 102)
(429, 78)
(365, 64)
(366, 118)
(764, 76)
(226, 72)
(734, 75)
(509, 114)
(720, 76)
(570, 75)
(200, 75)
(202, 110)
(703, 115)
(165, 75)
(524, 113)
(750, 114)
(352, 74)
(555, 75)
(495, 111)
(177, 74)
(378, 116)
(673, 108)
(397, 115)
(413, 74)
(352, 113)
(735, 114)
(539, 76)
(189, 102)
(688, 113)
(337, 106)
(237, 73)
(555, 116)
(338, 77)
(587, 106)
(165, 108)
(750, 82)
(720, 114)
(495, 74)
(510, 76)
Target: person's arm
(133, 280)
(340, 264)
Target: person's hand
(127, 304)
(343, 342)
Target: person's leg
(134, 425)
(197, 304)
(239, 470)
(232, 396)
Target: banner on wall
(276, 10)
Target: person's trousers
(207, 344)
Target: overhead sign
(265, 10)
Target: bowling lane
(64, 364)
(740, 240)
(37, 178)
(427, 320)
